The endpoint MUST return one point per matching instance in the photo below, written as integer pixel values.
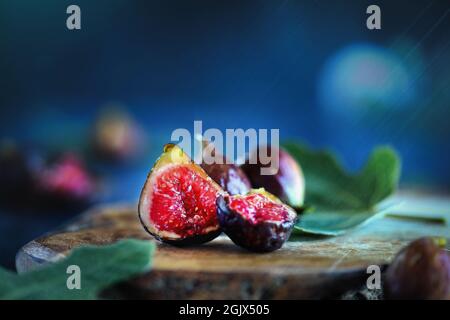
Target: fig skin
(185, 242)
(288, 184)
(229, 176)
(173, 155)
(420, 271)
(261, 237)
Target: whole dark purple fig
(288, 183)
(256, 221)
(228, 175)
(419, 271)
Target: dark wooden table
(306, 267)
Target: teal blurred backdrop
(310, 68)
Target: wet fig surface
(255, 221)
(225, 173)
(420, 271)
(288, 183)
(229, 176)
(178, 201)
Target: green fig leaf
(338, 200)
(100, 267)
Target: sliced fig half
(257, 221)
(178, 201)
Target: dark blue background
(232, 64)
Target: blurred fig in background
(116, 136)
(65, 182)
(228, 175)
(288, 184)
(421, 270)
(28, 181)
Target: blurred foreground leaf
(100, 266)
(339, 201)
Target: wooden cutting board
(307, 267)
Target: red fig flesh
(178, 201)
(256, 221)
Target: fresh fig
(30, 180)
(178, 201)
(256, 221)
(65, 181)
(116, 136)
(420, 271)
(288, 184)
(228, 175)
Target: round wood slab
(308, 267)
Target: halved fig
(257, 221)
(178, 201)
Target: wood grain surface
(306, 267)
